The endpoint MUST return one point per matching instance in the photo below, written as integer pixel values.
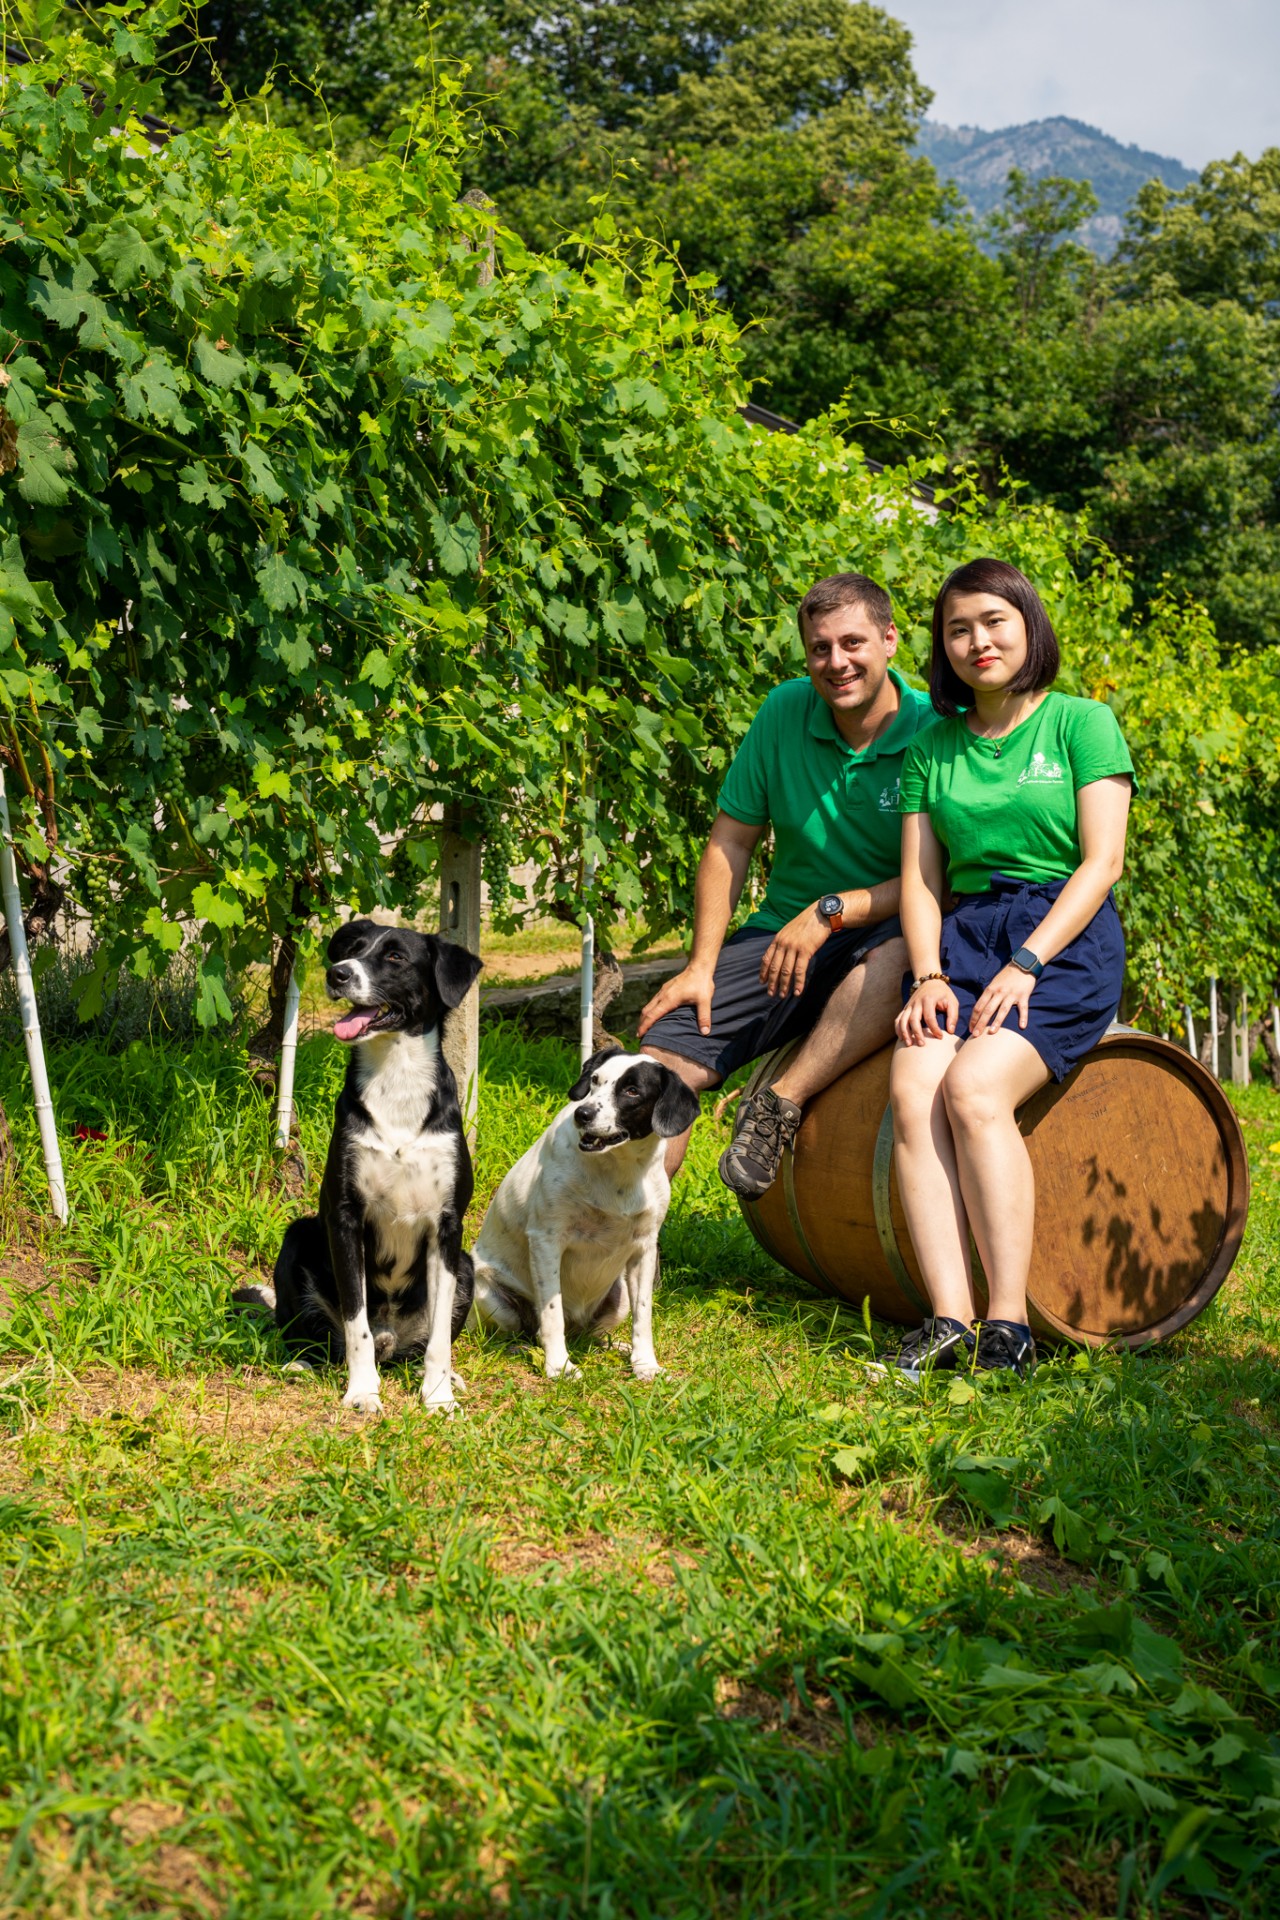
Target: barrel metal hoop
(751, 1215)
(793, 1215)
(880, 1171)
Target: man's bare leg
(701, 1079)
(856, 1021)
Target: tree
(1148, 392)
(1031, 231)
(1218, 239)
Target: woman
(1016, 801)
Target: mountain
(979, 163)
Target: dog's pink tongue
(351, 1025)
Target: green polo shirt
(1009, 805)
(834, 812)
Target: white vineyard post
(1191, 1032)
(1213, 1026)
(587, 979)
(1275, 1025)
(30, 1014)
(288, 1060)
(1238, 1036)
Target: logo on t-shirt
(889, 798)
(1040, 771)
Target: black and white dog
(570, 1241)
(380, 1271)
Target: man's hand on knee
(693, 987)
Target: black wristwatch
(831, 906)
(1025, 959)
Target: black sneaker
(937, 1344)
(766, 1126)
(1003, 1346)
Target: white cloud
(1193, 80)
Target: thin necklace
(998, 737)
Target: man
(823, 954)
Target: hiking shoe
(1003, 1346)
(766, 1127)
(937, 1344)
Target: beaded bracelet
(944, 977)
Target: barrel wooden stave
(1142, 1190)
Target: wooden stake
(30, 1015)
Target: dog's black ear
(675, 1108)
(580, 1085)
(454, 969)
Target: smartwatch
(831, 906)
(1025, 959)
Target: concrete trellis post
(1213, 1026)
(288, 1060)
(460, 874)
(587, 984)
(1238, 1036)
(1191, 1031)
(30, 1014)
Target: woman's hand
(931, 1012)
(785, 965)
(1010, 988)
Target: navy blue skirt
(1076, 997)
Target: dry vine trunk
(605, 989)
(48, 897)
(264, 1047)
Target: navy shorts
(1076, 997)
(745, 1020)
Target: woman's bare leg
(928, 1178)
(986, 1083)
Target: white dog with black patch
(570, 1241)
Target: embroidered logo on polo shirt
(889, 798)
(1040, 771)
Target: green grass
(772, 1638)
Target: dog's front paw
(563, 1370)
(437, 1393)
(367, 1401)
(646, 1369)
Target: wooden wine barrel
(1142, 1187)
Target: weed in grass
(774, 1637)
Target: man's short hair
(1039, 670)
(846, 590)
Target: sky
(1197, 80)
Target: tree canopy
(771, 147)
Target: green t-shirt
(1009, 806)
(834, 812)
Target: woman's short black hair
(947, 690)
